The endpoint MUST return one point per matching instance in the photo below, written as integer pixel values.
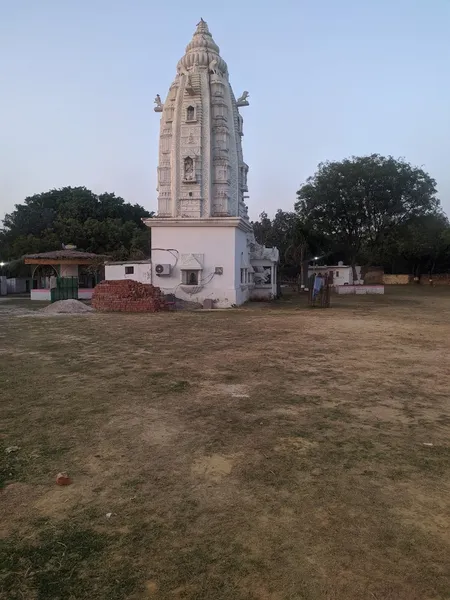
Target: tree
(104, 224)
(293, 238)
(359, 202)
(422, 243)
(263, 229)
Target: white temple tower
(202, 239)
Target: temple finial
(202, 27)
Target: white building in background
(339, 274)
(203, 245)
(138, 270)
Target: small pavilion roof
(58, 256)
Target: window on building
(129, 270)
(244, 276)
(337, 273)
(190, 113)
(190, 277)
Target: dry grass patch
(254, 454)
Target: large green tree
(359, 203)
(104, 224)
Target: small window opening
(190, 194)
(129, 270)
(190, 277)
(337, 273)
(190, 113)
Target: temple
(203, 247)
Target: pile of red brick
(126, 295)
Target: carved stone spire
(201, 50)
(201, 171)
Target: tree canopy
(370, 210)
(104, 224)
(419, 246)
(359, 202)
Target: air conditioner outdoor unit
(163, 270)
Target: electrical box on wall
(162, 270)
(218, 271)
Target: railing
(66, 289)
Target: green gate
(66, 288)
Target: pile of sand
(67, 307)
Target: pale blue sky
(327, 79)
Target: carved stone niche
(191, 113)
(189, 174)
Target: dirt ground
(265, 453)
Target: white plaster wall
(262, 293)
(142, 272)
(217, 244)
(345, 276)
(345, 273)
(360, 289)
(85, 293)
(242, 258)
(369, 289)
(40, 295)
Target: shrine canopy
(62, 263)
(62, 257)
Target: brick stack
(126, 295)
